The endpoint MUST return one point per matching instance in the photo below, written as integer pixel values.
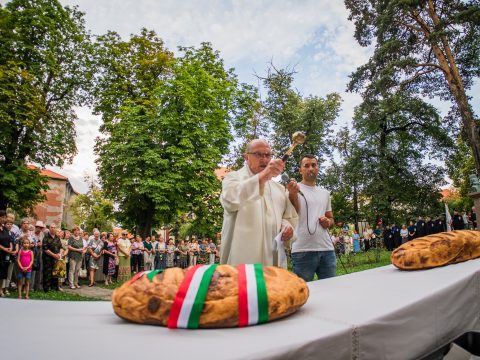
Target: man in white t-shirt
(313, 251)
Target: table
(382, 313)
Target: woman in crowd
(64, 241)
(106, 256)
(404, 233)
(24, 262)
(123, 251)
(76, 251)
(159, 250)
(356, 241)
(148, 254)
(170, 254)
(95, 247)
(367, 237)
(5, 249)
(137, 255)
(183, 252)
(52, 252)
(111, 251)
(193, 252)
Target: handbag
(82, 273)
(60, 269)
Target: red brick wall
(51, 210)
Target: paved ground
(94, 292)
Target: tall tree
(430, 47)
(45, 70)
(395, 137)
(162, 144)
(287, 111)
(344, 177)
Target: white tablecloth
(382, 313)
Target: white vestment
(251, 220)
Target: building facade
(59, 196)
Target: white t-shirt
(315, 237)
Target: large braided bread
(149, 299)
(437, 250)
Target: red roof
(449, 193)
(51, 174)
(221, 172)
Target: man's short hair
(308, 156)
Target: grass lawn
(53, 295)
(346, 264)
(352, 262)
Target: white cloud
(312, 35)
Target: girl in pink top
(24, 262)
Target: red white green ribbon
(252, 295)
(188, 304)
(150, 274)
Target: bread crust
(437, 250)
(149, 302)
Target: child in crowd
(25, 262)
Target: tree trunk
(469, 123)
(145, 220)
(355, 206)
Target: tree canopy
(287, 111)
(428, 47)
(45, 70)
(162, 144)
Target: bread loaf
(437, 250)
(149, 299)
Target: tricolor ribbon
(188, 304)
(252, 295)
(150, 274)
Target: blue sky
(315, 36)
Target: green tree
(431, 47)
(159, 151)
(287, 111)
(93, 209)
(344, 177)
(395, 137)
(45, 68)
(460, 165)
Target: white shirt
(312, 236)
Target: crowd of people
(35, 257)
(392, 236)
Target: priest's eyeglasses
(261, 155)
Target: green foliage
(45, 70)
(380, 170)
(394, 136)
(460, 165)
(23, 187)
(430, 48)
(287, 111)
(162, 144)
(93, 209)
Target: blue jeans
(308, 263)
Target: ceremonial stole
(188, 304)
(252, 295)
